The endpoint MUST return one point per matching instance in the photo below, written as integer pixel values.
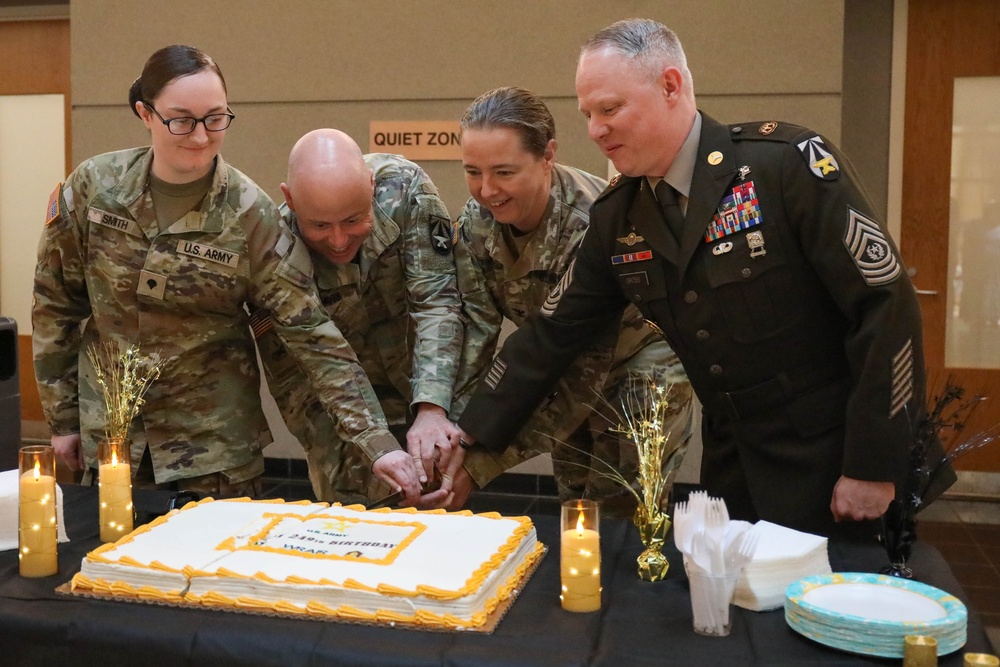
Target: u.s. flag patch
(738, 210)
(52, 212)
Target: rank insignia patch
(52, 212)
(552, 300)
(821, 162)
(632, 257)
(902, 379)
(496, 374)
(738, 210)
(870, 249)
(441, 235)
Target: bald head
(329, 188)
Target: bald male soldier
(380, 241)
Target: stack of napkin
(783, 556)
(8, 510)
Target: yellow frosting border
(421, 617)
(346, 612)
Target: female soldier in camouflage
(167, 247)
(522, 227)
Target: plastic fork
(715, 534)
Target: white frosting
(402, 562)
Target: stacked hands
(429, 474)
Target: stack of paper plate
(873, 613)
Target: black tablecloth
(640, 623)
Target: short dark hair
(517, 109)
(649, 43)
(166, 65)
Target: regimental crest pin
(631, 239)
(820, 161)
(768, 127)
(870, 249)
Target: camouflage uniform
(399, 310)
(583, 408)
(106, 271)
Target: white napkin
(783, 556)
(8, 510)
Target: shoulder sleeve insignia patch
(52, 212)
(768, 127)
(819, 160)
(870, 249)
(442, 233)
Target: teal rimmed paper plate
(871, 614)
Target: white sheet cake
(429, 568)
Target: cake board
(487, 628)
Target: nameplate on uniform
(739, 210)
(637, 279)
(202, 251)
(632, 257)
(113, 221)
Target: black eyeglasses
(213, 122)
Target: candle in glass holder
(980, 660)
(37, 528)
(114, 477)
(919, 651)
(580, 556)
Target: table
(640, 624)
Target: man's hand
(396, 469)
(70, 449)
(431, 441)
(856, 500)
(452, 500)
(462, 486)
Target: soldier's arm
(576, 312)
(848, 245)
(481, 314)
(282, 284)
(60, 305)
(431, 293)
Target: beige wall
(294, 65)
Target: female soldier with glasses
(167, 247)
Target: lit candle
(580, 558)
(37, 528)
(919, 651)
(114, 477)
(980, 660)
